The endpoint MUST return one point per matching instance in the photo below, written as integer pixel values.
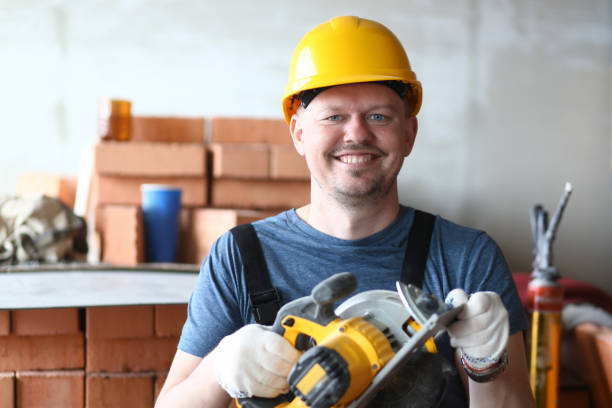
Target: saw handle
(334, 288)
(319, 306)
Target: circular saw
(374, 350)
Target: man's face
(355, 138)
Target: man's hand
(254, 361)
(481, 331)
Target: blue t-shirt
(299, 256)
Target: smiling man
(354, 138)
(351, 104)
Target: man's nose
(357, 130)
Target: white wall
(516, 96)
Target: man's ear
(412, 126)
(296, 133)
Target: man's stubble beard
(376, 190)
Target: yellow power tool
(346, 361)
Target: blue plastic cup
(161, 206)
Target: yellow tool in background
(346, 361)
(545, 306)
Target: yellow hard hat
(348, 50)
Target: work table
(86, 285)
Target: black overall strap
(418, 248)
(265, 300)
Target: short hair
(403, 90)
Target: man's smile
(355, 158)
(356, 154)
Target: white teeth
(353, 159)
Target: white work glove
(481, 331)
(254, 361)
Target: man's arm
(510, 389)
(481, 336)
(253, 361)
(191, 383)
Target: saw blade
(419, 383)
(436, 319)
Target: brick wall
(87, 357)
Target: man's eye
(334, 118)
(377, 117)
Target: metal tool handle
(544, 234)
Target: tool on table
(348, 360)
(545, 299)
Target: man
(351, 105)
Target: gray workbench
(56, 286)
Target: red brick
(119, 390)
(574, 398)
(603, 341)
(249, 130)
(7, 390)
(122, 234)
(584, 335)
(150, 159)
(240, 160)
(130, 355)
(167, 129)
(116, 322)
(45, 321)
(286, 163)
(21, 353)
(200, 227)
(160, 379)
(126, 190)
(5, 322)
(51, 389)
(259, 194)
(53, 185)
(169, 319)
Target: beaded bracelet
(486, 374)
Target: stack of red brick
(169, 151)
(247, 170)
(91, 357)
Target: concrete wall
(516, 96)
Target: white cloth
(482, 329)
(254, 361)
(38, 228)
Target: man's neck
(349, 223)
